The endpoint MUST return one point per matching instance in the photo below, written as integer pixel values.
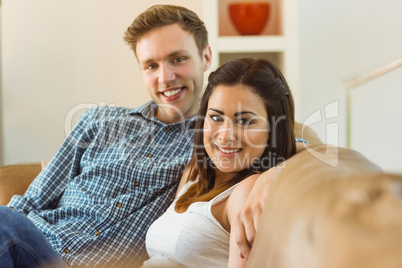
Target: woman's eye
(216, 118)
(245, 122)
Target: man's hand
(247, 220)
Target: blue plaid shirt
(114, 175)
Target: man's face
(173, 71)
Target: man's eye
(179, 59)
(151, 66)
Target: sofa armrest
(308, 202)
(15, 179)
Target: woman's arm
(234, 204)
(251, 209)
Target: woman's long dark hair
(265, 80)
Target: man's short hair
(163, 15)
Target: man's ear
(207, 57)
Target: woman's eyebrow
(245, 112)
(236, 114)
(216, 110)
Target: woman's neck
(221, 177)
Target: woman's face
(235, 128)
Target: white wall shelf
(278, 42)
(250, 44)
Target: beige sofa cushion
(15, 179)
(318, 215)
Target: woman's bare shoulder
(241, 192)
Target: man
(119, 168)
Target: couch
(15, 179)
(319, 215)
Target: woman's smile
(228, 152)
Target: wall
(342, 38)
(376, 120)
(59, 57)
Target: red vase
(249, 18)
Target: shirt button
(119, 205)
(149, 155)
(66, 250)
(97, 233)
(137, 183)
(168, 129)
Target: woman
(244, 127)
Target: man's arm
(46, 189)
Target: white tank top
(190, 239)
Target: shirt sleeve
(301, 140)
(47, 188)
